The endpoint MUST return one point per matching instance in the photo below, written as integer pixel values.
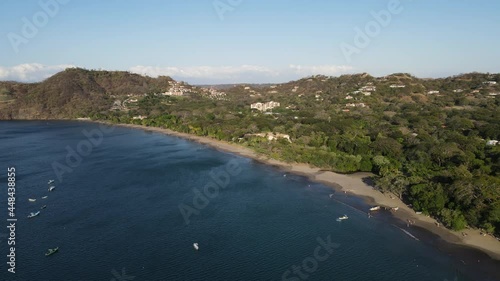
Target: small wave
(409, 234)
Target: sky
(248, 41)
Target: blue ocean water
(116, 214)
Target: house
(492, 142)
(432, 92)
(349, 98)
(139, 117)
(271, 136)
(264, 106)
(397, 86)
(490, 82)
(368, 89)
(117, 105)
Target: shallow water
(116, 215)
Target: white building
(492, 142)
(264, 106)
(368, 89)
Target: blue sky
(230, 41)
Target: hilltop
(79, 92)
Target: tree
(429, 198)
(453, 219)
(392, 181)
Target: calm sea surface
(115, 215)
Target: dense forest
(429, 141)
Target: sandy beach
(356, 184)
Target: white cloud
(30, 72)
(34, 72)
(204, 72)
(329, 70)
(243, 73)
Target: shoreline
(353, 184)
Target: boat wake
(408, 233)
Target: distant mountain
(79, 92)
(72, 92)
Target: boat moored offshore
(52, 251)
(344, 217)
(32, 215)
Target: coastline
(354, 184)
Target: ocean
(129, 204)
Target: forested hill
(433, 142)
(73, 92)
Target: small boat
(344, 217)
(418, 213)
(376, 208)
(44, 197)
(331, 195)
(43, 207)
(51, 251)
(32, 200)
(395, 208)
(195, 246)
(32, 215)
(52, 188)
(50, 181)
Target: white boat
(331, 195)
(31, 200)
(376, 208)
(395, 208)
(33, 214)
(344, 217)
(44, 197)
(50, 181)
(52, 188)
(195, 246)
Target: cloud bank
(229, 73)
(329, 70)
(243, 73)
(30, 72)
(34, 72)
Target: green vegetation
(428, 148)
